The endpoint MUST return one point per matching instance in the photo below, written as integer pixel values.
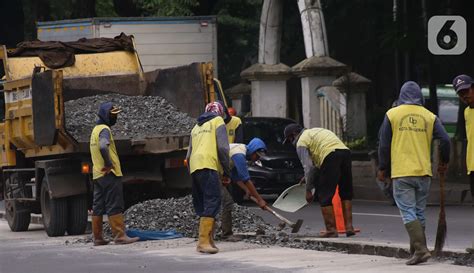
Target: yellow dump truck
(44, 170)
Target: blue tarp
(146, 235)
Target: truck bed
(151, 145)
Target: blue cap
(462, 82)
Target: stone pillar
(316, 72)
(269, 76)
(236, 92)
(314, 28)
(268, 89)
(355, 87)
(270, 32)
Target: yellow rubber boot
(118, 229)
(97, 231)
(213, 234)
(206, 225)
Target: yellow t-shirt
(97, 160)
(412, 133)
(204, 146)
(320, 142)
(469, 117)
(231, 127)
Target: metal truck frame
(45, 170)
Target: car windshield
(270, 130)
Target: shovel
(295, 227)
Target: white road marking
(376, 214)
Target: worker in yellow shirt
(463, 84)
(208, 158)
(406, 135)
(107, 174)
(327, 164)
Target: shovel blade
(296, 227)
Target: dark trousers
(108, 195)
(206, 193)
(336, 170)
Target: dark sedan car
(280, 168)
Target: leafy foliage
(168, 7)
(238, 30)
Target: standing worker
(239, 154)
(405, 148)
(233, 126)
(108, 191)
(208, 157)
(463, 84)
(327, 164)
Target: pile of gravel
(141, 117)
(178, 214)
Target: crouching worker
(239, 154)
(327, 162)
(208, 157)
(108, 191)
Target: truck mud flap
(63, 176)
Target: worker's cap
(215, 107)
(462, 82)
(291, 129)
(115, 110)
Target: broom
(442, 227)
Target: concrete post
(314, 28)
(318, 70)
(236, 92)
(355, 87)
(268, 89)
(270, 32)
(269, 76)
(315, 73)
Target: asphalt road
(381, 222)
(33, 251)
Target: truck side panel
(161, 42)
(66, 32)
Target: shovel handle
(267, 208)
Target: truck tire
(54, 212)
(76, 214)
(18, 215)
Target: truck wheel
(54, 212)
(18, 215)
(76, 214)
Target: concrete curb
(335, 244)
(360, 247)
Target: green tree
(238, 30)
(168, 7)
